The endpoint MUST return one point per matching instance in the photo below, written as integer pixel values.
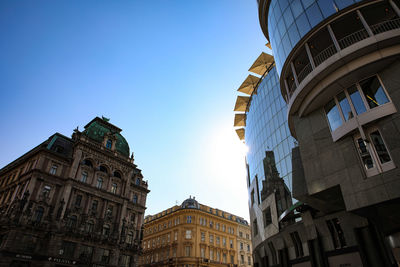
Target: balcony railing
(353, 38)
(304, 72)
(347, 41)
(385, 26)
(324, 54)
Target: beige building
(194, 235)
(245, 258)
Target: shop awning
(241, 103)
(240, 120)
(249, 84)
(262, 63)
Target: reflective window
(364, 153)
(380, 147)
(345, 106)
(332, 113)
(356, 100)
(373, 91)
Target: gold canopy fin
(249, 85)
(262, 63)
(241, 103)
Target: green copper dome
(97, 128)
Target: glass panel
(373, 92)
(364, 153)
(332, 112)
(345, 106)
(356, 100)
(380, 147)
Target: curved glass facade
(267, 133)
(290, 20)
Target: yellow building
(245, 258)
(192, 235)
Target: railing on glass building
(325, 54)
(386, 26)
(347, 41)
(353, 38)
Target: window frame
(378, 166)
(358, 120)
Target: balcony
(342, 34)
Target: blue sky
(164, 71)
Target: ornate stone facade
(76, 201)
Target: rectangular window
(356, 100)
(241, 259)
(298, 246)
(211, 238)
(267, 217)
(333, 115)
(188, 234)
(255, 228)
(218, 240)
(175, 236)
(336, 232)
(84, 176)
(248, 260)
(78, 200)
(373, 91)
(114, 187)
(53, 169)
(217, 226)
(203, 237)
(373, 152)
(187, 251)
(223, 258)
(241, 246)
(252, 197)
(202, 253)
(345, 106)
(211, 254)
(189, 219)
(224, 241)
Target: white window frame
(378, 166)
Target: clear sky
(164, 71)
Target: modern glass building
(267, 130)
(322, 125)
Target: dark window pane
(364, 153)
(373, 92)
(345, 106)
(356, 100)
(332, 112)
(380, 147)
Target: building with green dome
(76, 201)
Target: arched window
(103, 169)
(89, 227)
(99, 182)
(135, 198)
(109, 144)
(117, 174)
(38, 214)
(72, 221)
(87, 163)
(129, 238)
(106, 230)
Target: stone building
(76, 201)
(194, 235)
(334, 74)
